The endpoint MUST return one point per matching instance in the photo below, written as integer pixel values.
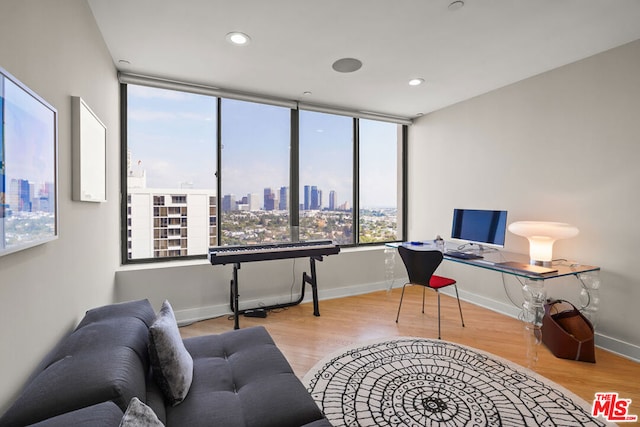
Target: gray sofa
(240, 378)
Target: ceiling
(484, 45)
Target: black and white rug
(427, 383)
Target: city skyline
(306, 203)
(166, 128)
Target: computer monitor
(482, 227)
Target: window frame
(294, 176)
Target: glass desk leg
(532, 313)
(590, 295)
(389, 266)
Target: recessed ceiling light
(347, 65)
(124, 62)
(416, 82)
(237, 38)
(307, 93)
(456, 5)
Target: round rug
(426, 383)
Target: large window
(255, 173)
(203, 171)
(170, 173)
(379, 145)
(326, 177)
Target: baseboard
(621, 348)
(185, 317)
(614, 345)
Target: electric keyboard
(236, 254)
(314, 250)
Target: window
(202, 171)
(380, 145)
(326, 177)
(170, 171)
(255, 168)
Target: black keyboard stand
(306, 279)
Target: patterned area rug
(426, 383)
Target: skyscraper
(307, 197)
(228, 203)
(269, 199)
(333, 200)
(315, 198)
(284, 199)
(253, 200)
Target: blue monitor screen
(479, 226)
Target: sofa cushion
(104, 358)
(171, 362)
(106, 414)
(242, 379)
(139, 415)
(139, 309)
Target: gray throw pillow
(139, 415)
(171, 362)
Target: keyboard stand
(306, 279)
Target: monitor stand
(479, 250)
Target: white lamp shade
(541, 236)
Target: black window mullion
(124, 192)
(218, 169)
(356, 181)
(405, 181)
(294, 174)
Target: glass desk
(533, 290)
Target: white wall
(56, 50)
(561, 146)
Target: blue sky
(29, 132)
(173, 136)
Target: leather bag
(567, 333)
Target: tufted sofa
(240, 378)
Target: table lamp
(541, 236)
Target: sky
(28, 143)
(172, 136)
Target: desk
(533, 289)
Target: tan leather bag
(567, 333)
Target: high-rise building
(307, 197)
(170, 222)
(20, 195)
(253, 200)
(228, 203)
(333, 200)
(269, 199)
(315, 198)
(284, 199)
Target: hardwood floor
(305, 339)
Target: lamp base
(540, 263)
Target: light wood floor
(305, 339)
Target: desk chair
(421, 265)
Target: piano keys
(232, 254)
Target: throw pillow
(139, 415)
(171, 362)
